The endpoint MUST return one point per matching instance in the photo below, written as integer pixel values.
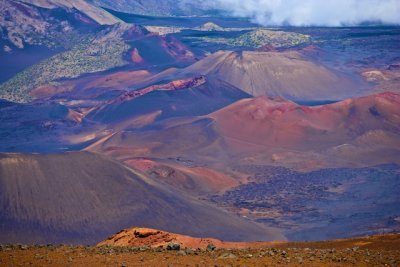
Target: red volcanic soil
(195, 179)
(267, 48)
(146, 237)
(365, 251)
(119, 80)
(139, 237)
(268, 124)
(135, 56)
(355, 132)
(75, 116)
(49, 90)
(313, 51)
(176, 49)
(171, 86)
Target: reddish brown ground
(279, 131)
(280, 123)
(176, 49)
(198, 180)
(267, 48)
(368, 251)
(171, 86)
(136, 57)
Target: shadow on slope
(83, 197)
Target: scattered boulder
(271, 253)
(211, 247)
(227, 256)
(189, 251)
(173, 246)
(159, 249)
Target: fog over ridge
(311, 12)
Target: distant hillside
(156, 7)
(49, 25)
(261, 37)
(95, 13)
(106, 48)
(95, 52)
(31, 31)
(264, 130)
(287, 74)
(258, 38)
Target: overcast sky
(314, 12)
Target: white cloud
(314, 12)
